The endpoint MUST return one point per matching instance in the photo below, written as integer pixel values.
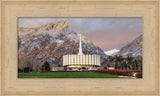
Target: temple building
(81, 60)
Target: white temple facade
(81, 59)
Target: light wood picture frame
(147, 9)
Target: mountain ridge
(133, 48)
(112, 52)
(49, 43)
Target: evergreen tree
(45, 66)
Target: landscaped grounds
(67, 75)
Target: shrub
(118, 72)
(139, 75)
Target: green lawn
(67, 75)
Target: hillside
(49, 43)
(133, 49)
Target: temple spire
(80, 45)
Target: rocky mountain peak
(62, 25)
(133, 49)
(112, 52)
(51, 27)
(55, 27)
(50, 42)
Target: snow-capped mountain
(49, 43)
(112, 52)
(133, 48)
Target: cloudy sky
(107, 33)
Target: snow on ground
(112, 52)
(59, 42)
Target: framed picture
(56, 49)
(80, 48)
